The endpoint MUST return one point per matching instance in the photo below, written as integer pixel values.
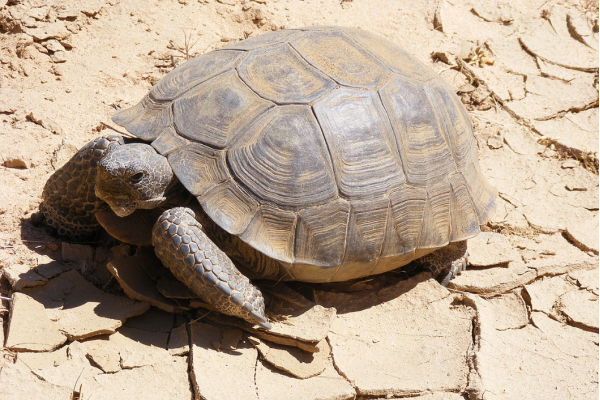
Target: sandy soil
(522, 323)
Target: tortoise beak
(123, 210)
(121, 205)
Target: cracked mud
(521, 323)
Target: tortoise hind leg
(447, 262)
(183, 247)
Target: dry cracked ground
(83, 321)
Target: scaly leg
(447, 262)
(183, 247)
(69, 203)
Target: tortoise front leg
(183, 247)
(69, 202)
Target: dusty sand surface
(522, 323)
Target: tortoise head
(133, 176)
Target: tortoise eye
(137, 177)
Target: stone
(581, 28)
(489, 14)
(139, 225)
(553, 254)
(38, 13)
(21, 276)
(42, 360)
(129, 348)
(296, 317)
(457, 80)
(511, 57)
(80, 310)
(299, 363)
(514, 364)
(561, 50)
(295, 320)
(510, 311)
(91, 8)
(221, 366)
(18, 383)
(586, 279)
(44, 122)
(53, 45)
(306, 346)
(76, 252)
(29, 328)
(576, 131)
(544, 293)
(16, 161)
(179, 341)
(489, 248)
(493, 281)
(584, 234)
(547, 98)
(64, 11)
(56, 30)
(439, 17)
(517, 140)
(50, 269)
(153, 320)
(444, 56)
(495, 142)
(105, 358)
(550, 70)
(152, 382)
(575, 187)
(538, 218)
(59, 57)
(581, 309)
(75, 373)
(136, 283)
(380, 357)
(499, 81)
(329, 385)
(230, 339)
(570, 164)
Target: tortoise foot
(183, 247)
(447, 263)
(456, 267)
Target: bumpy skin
(71, 199)
(182, 246)
(135, 177)
(447, 262)
(69, 203)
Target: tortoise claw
(260, 320)
(446, 263)
(455, 269)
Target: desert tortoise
(317, 154)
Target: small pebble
(575, 188)
(570, 164)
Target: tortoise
(318, 154)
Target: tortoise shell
(330, 150)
